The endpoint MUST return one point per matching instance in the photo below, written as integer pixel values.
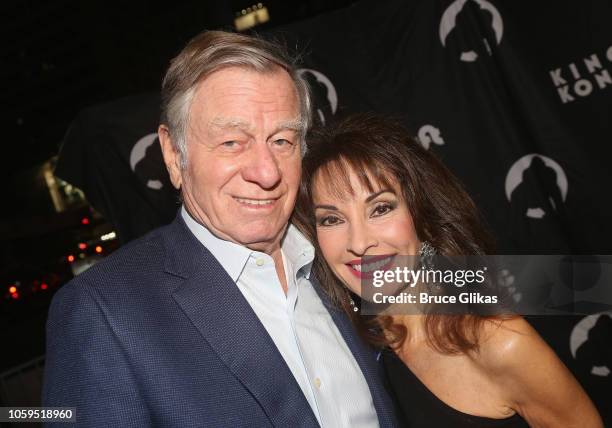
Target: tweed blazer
(157, 334)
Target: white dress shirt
(300, 326)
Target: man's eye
(330, 220)
(382, 209)
(232, 146)
(282, 143)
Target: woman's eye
(329, 220)
(382, 209)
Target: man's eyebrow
(380, 192)
(292, 125)
(296, 125)
(229, 123)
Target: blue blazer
(157, 334)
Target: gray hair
(211, 51)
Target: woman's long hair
(382, 153)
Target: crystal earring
(426, 255)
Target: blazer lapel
(365, 357)
(217, 308)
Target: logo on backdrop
(147, 162)
(325, 97)
(429, 134)
(579, 79)
(590, 343)
(449, 22)
(537, 185)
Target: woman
(370, 190)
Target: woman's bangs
(335, 176)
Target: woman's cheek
(330, 243)
(327, 244)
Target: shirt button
(317, 383)
(259, 262)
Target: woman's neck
(415, 328)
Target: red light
(43, 286)
(12, 289)
(85, 220)
(98, 249)
(15, 295)
(82, 246)
(70, 258)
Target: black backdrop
(514, 96)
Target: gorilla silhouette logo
(449, 22)
(429, 134)
(147, 163)
(325, 98)
(591, 343)
(536, 184)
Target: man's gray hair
(212, 51)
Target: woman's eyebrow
(368, 199)
(380, 192)
(326, 207)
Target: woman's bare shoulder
(535, 383)
(509, 343)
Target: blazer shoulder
(137, 259)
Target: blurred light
(70, 258)
(82, 246)
(81, 255)
(15, 295)
(98, 249)
(108, 236)
(251, 16)
(85, 220)
(12, 289)
(43, 286)
(262, 14)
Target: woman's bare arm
(533, 380)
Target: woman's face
(366, 223)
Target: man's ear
(172, 158)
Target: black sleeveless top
(420, 408)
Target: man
(214, 320)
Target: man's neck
(277, 256)
(273, 248)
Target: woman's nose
(361, 239)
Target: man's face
(243, 156)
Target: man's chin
(262, 239)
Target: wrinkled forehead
(339, 179)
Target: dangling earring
(426, 259)
(355, 308)
(426, 255)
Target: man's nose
(361, 239)
(262, 167)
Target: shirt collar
(233, 257)
(297, 249)
(230, 255)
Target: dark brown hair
(381, 151)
